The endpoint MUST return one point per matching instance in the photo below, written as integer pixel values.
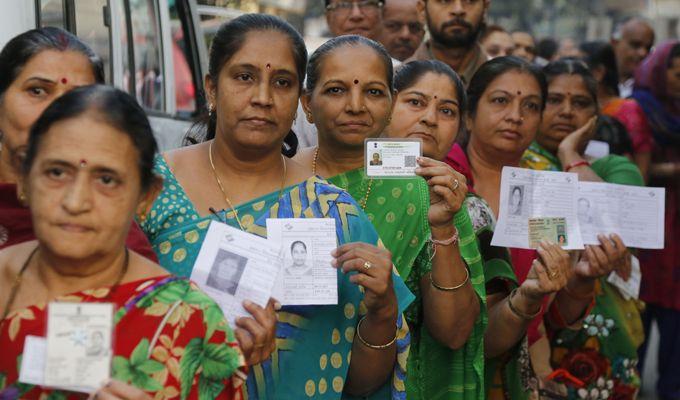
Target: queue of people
(427, 307)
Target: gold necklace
(363, 201)
(224, 193)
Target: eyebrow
(455, 102)
(41, 79)
(255, 68)
(340, 81)
(66, 164)
(514, 95)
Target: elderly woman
(86, 172)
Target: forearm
(506, 328)
(643, 160)
(449, 315)
(573, 301)
(370, 368)
(585, 173)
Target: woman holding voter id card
(612, 333)
(349, 97)
(81, 314)
(238, 176)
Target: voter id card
(551, 229)
(392, 158)
(79, 337)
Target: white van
(153, 49)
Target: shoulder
(618, 169)
(12, 259)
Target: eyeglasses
(346, 6)
(415, 28)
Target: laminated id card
(392, 158)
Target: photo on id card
(550, 229)
(391, 158)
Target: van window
(51, 13)
(90, 26)
(144, 70)
(183, 59)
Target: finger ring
(367, 265)
(456, 183)
(552, 274)
(259, 346)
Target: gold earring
(22, 198)
(309, 118)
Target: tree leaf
(139, 354)
(188, 365)
(209, 389)
(150, 367)
(121, 369)
(216, 361)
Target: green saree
(398, 210)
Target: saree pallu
(603, 352)
(398, 210)
(167, 339)
(313, 342)
(631, 115)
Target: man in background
(355, 17)
(496, 42)
(454, 28)
(525, 45)
(632, 41)
(403, 29)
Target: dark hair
(613, 132)
(297, 242)
(410, 73)
(115, 107)
(315, 61)
(675, 52)
(546, 48)
(22, 48)
(492, 69)
(572, 66)
(228, 40)
(328, 2)
(601, 54)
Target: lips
(510, 134)
(258, 121)
(422, 135)
(74, 228)
(563, 127)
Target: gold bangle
(452, 288)
(520, 314)
(373, 346)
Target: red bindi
(269, 66)
(83, 163)
(356, 81)
(64, 81)
(519, 92)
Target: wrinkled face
(428, 110)
(256, 93)
(508, 114)
(673, 79)
(299, 254)
(83, 188)
(636, 40)
(47, 76)
(568, 107)
(454, 23)
(525, 47)
(498, 44)
(402, 28)
(352, 99)
(347, 17)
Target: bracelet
(452, 288)
(575, 164)
(452, 240)
(434, 242)
(578, 296)
(373, 346)
(520, 314)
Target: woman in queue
(86, 172)
(36, 67)
(657, 90)
(238, 176)
(609, 337)
(349, 97)
(601, 60)
(425, 91)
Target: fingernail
(334, 262)
(334, 253)
(612, 235)
(277, 306)
(247, 303)
(417, 170)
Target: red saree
(181, 363)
